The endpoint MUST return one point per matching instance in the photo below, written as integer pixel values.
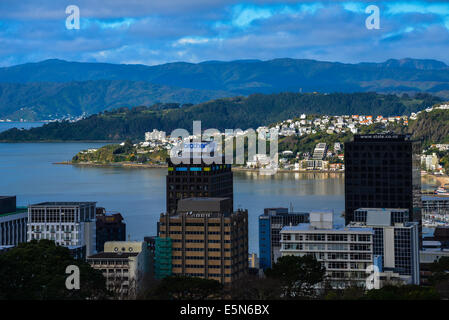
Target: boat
(441, 192)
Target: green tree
(252, 287)
(298, 275)
(36, 271)
(185, 288)
(408, 292)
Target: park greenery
(36, 271)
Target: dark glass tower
(383, 171)
(197, 180)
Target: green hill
(226, 113)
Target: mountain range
(54, 87)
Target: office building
(270, 224)
(109, 227)
(396, 240)
(345, 252)
(382, 171)
(205, 238)
(190, 180)
(125, 265)
(69, 224)
(13, 222)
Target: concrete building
(69, 224)
(345, 252)
(125, 265)
(270, 224)
(205, 238)
(13, 222)
(396, 240)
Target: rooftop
(113, 255)
(18, 211)
(336, 228)
(62, 204)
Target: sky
(159, 31)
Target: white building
(155, 135)
(125, 265)
(396, 240)
(345, 252)
(69, 224)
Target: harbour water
(27, 170)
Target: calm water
(21, 125)
(27, 170)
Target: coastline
(149, 166)
(441, 179)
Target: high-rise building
(395, 241)
(13, 222)
(205, 238)
(270, 224)
(69, 224)
(383, 171)
(190, 180)
(109, 227)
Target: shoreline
(441, 179)
(150, 166)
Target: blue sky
(159, 31)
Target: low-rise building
(345, 252)
(271, 223)
(125, 265)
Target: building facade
(382, 171)
(205, 238)
(69, 224)
(345, 252)
(13, 222)
(190, 180)
(270, 225)
(396, 240)
(125, 265)
(109, 227)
